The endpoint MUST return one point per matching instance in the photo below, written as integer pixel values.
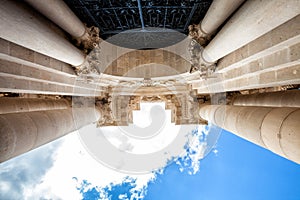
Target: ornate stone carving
(90, 66)
(198, 35)
(106, 119)
(147, 82)
(197, 63)
(89, 40)
(117, 110)
(151, 99)
(130, 83)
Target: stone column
(217, 13)
(20, 25)
(289, 98)
(58, 12)
(252, 20)
(22, 132)
(14, 105)
(276, 129)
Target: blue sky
(240, 170)
(236, 169)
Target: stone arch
(148, 63)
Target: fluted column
(217, 13)
(276, 129)
(289, 98)
(20, 25)
(22, 132)
(252, 20)
(58, 12)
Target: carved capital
(198, 64)
(89, 67)
(196, 33)
(89, 40)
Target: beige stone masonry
(21, 25)
(288, 98)
(283, 36)
(269, 66)
(28, 76)
(15, 53)
(148, 63)
(11, 83)
(253, 19)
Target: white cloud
(215, 151)
(74, 161)
(49, 172)
(20, 175)
(138, 150)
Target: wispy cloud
(72, 173)
(199, 143)
(20, 175)
(75, 168)
(127, 189)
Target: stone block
(289, 73)
(276, 40)
(4, 46)
(226, 61)
(114, 70)
(267, 77)
(55, 64)
(253, 80)
(52, 87)
(286, 31)
(31, 72)
(232, 73)
(67, 69)
(10, 67)
(253, 66)
(294, 52)
(44, 75)
(260, 44)
(275, 59)
(21, 52)
(242, 53)
(38, 86)
(21, 84)
(42, 59)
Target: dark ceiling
(115, 16)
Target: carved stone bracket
(89, 67)
(88, 41)
(196, 33)
(106, 119)
(205, 69)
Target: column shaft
(58, 12)
(252, 20)
(217, 13)
(15, 105)
(20, 25)
(276, 129)
(22, 132)
(289, 98)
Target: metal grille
(114, 16)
